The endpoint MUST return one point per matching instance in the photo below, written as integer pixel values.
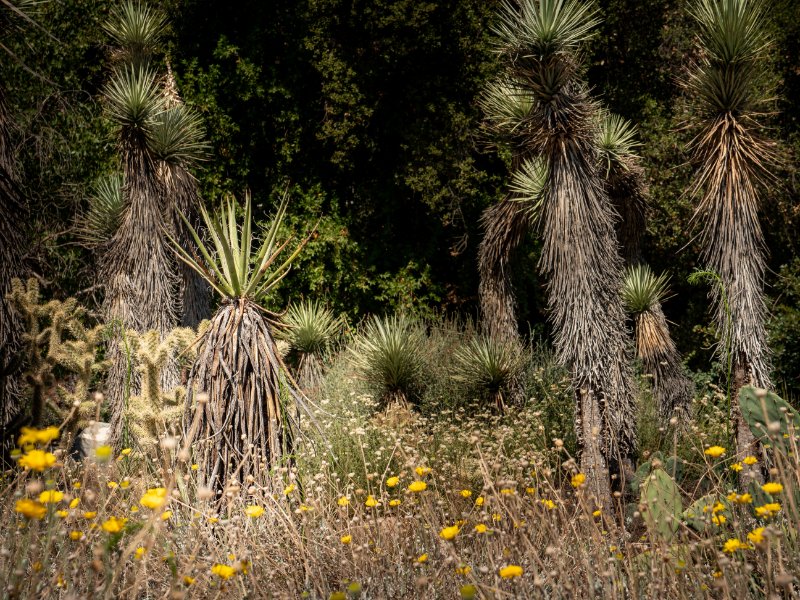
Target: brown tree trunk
(593, 460)
(746, 443)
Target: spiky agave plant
(241, 426)
(643, 292)
(388, 354)
(541, 42)
(310, 328)
(489, 365)
(732, 159)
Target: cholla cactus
(157, 412)
(55, 336)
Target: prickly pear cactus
(771, 419)
(660, 504)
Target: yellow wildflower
(112, 485)
(448, 533)
(734, 544)
(125, 484)
(76, 485)
(497, 517)
(37, 436)
(718, 519)
(139, 552)
(597, 513)
(254, 511)
(417, 486)
(736, 467)
(370, 502)
(114, 525)
(395, 502)
(578, 480)
(768, 510)
(76, 535)
(125, 451)
(422, 558)
(507, 492)
(31, 509)
(51, 497)
(195, 467)
(37, 460)
(548, 504)
(62, 513)
(392, 482)
(756, 536)
(103, 453)
(715, 451)
(154, 498)
(166, 515)
(223, 571)
(289, 489)
(530, 491)
(74, 502)
(465, 493)
(772, 488)
(463, 569)
(346, 539)
(89, 514)
(188, 580)
(750, 460)
(343, 501)
(479, 501)
(481, 528)
(511, 571)
(421, 471)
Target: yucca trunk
(10, 267)
(241, 428)
(504, 225)
(625, 189)
(309, 371)
(139, 270)
(584, 270)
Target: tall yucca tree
(137, 264)
(177, 140)
(242, 424)
(643, 291)
(541, 41)
(506, 105)
(732, 158)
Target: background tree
(733, 158)
(541, 42)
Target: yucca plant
(541, 43)
(388, 355)
(490, 366)
(624, 179)
(106, 209)
(643, 292)
(242, 425)
(733, 158)
(136, 30)
(177, 141)
(310, 328)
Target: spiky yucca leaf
(176, 136)
(136, 28)
(388, 356)
(106, 205)
(546, 26)
(310, 326)
(529, 184)
(616, 141)
(488, 364)
(133, 97)
(230, 266)
(506, 105)
(642, 289)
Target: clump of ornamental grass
(490, 366)
(389, 355)
(310, 329)
(245, 421)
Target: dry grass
(306, 543)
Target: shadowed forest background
(368, 110)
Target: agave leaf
(133, 97)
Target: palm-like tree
(732, 159)
(136, 263)
(643, 291)
(243, 426)
(541, 42)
